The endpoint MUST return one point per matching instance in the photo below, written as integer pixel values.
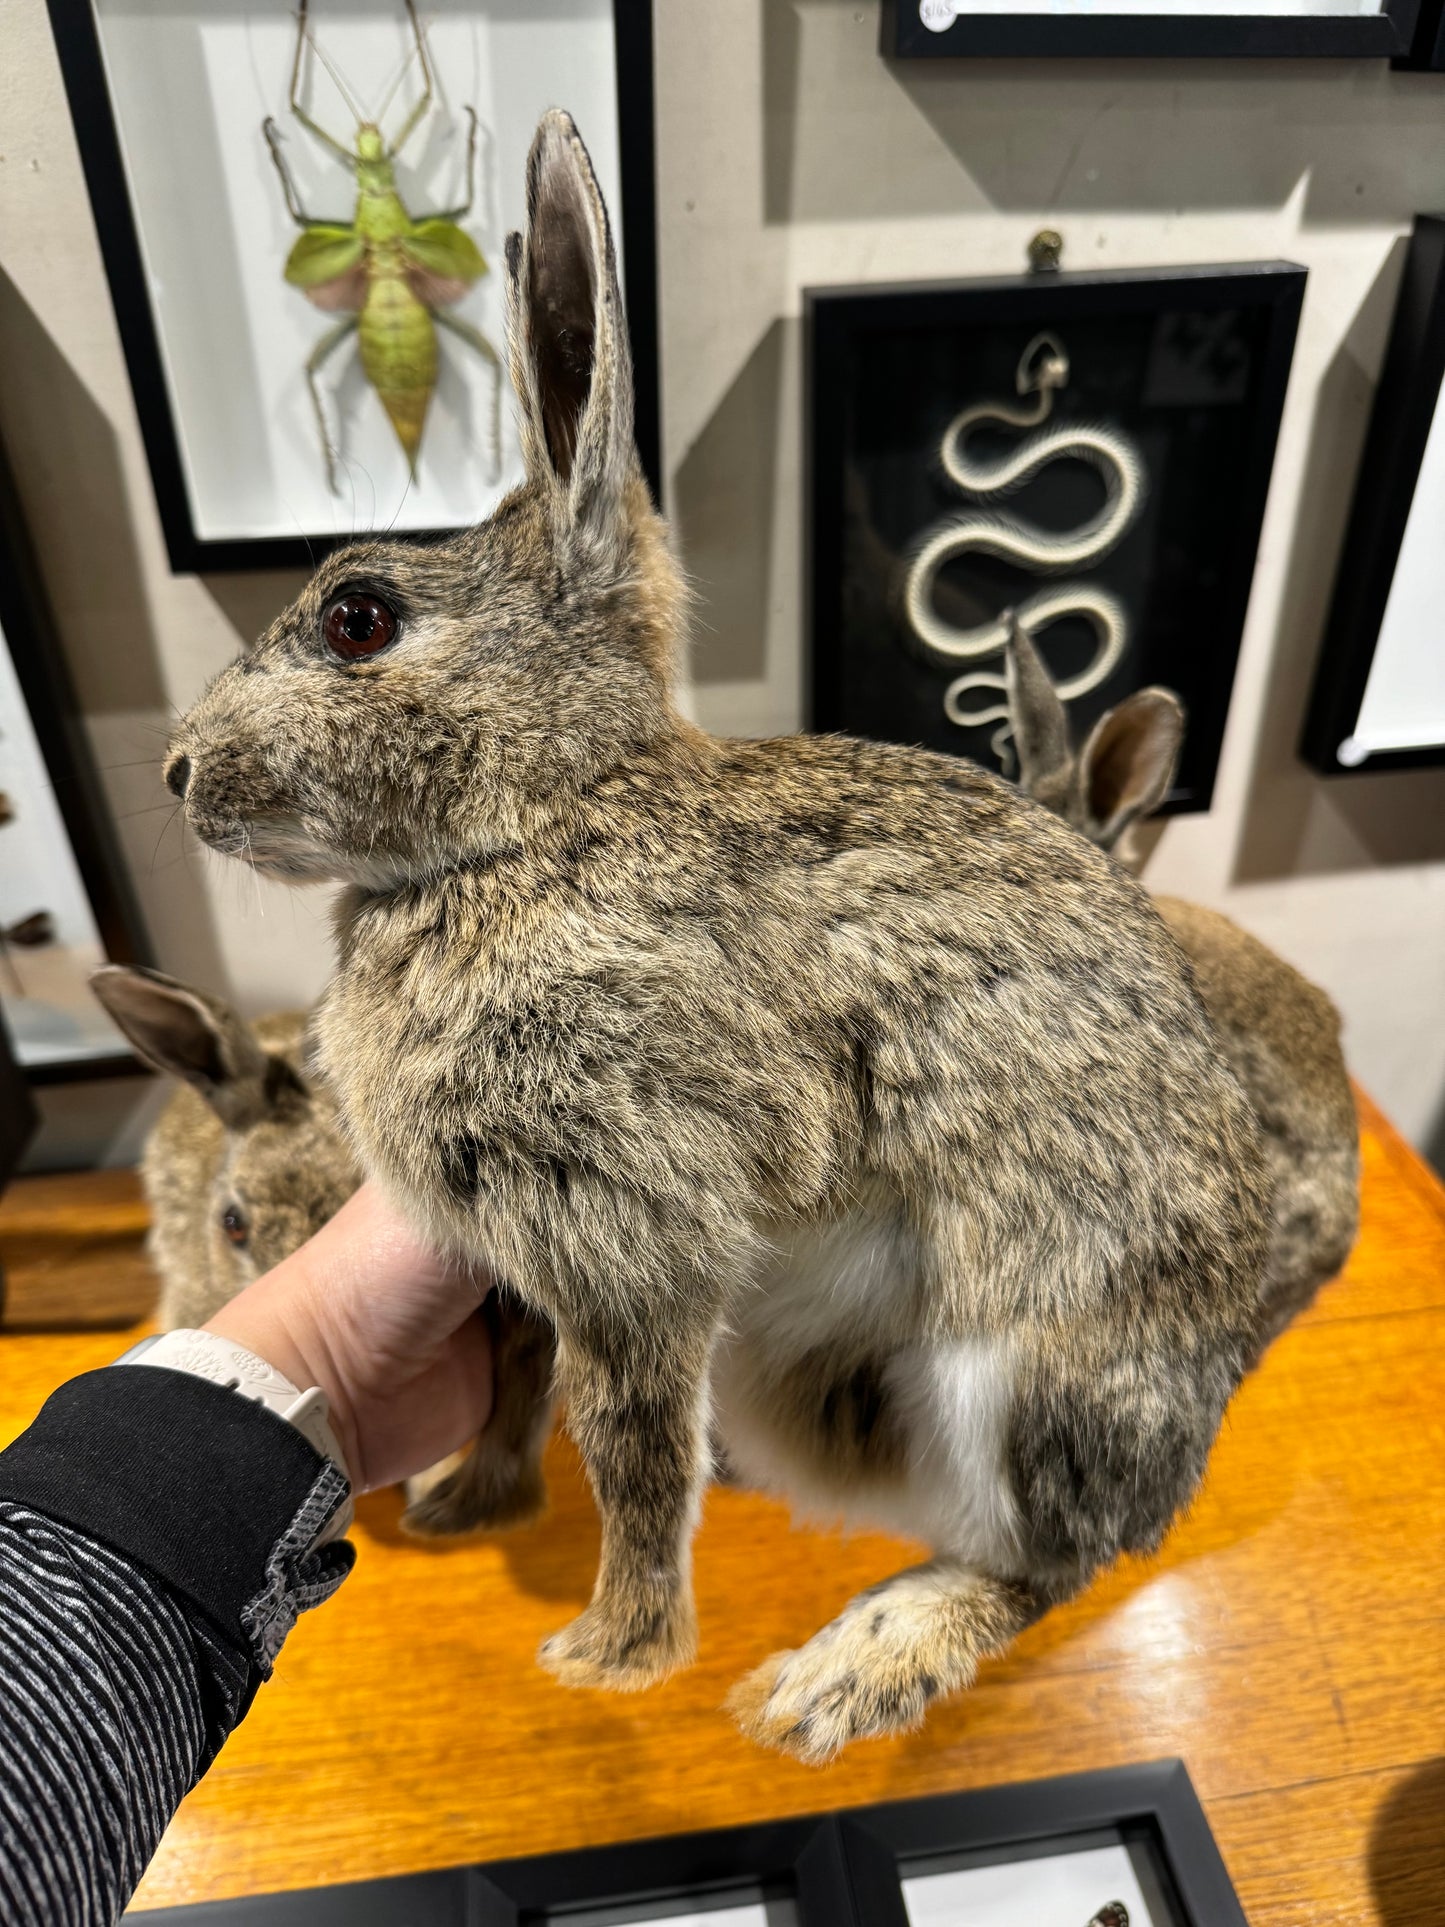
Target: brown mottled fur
(747, 1063)
(1279, 1032)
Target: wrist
(271, 1318)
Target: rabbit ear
(1129, 761)
(1040, 726)
(193, 1037)
(571, 364)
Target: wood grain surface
(1289, 1643)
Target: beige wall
(791, 155)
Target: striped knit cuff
(211, 1494)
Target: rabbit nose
(178, 775)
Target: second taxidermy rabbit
(247, 1160)
(825, 1094)
(1280, 1033)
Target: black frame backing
(839, 1870)
(77, 41)
(834, 316)
(55, 717)
(1154, 1804)
(1405, 404)
(1403, 32)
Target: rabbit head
(248, 1160)
(416, 705)
(1123, 772)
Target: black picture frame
(1153, 1807)
(836, 1870)
(82, 67)
(1406, 400)
(18, 1119)
(1403, 31)
(800, 1860)
(838, 320)
(49, 696)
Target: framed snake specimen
(1088, 453)
(1042, 371)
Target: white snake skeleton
(1043, 369)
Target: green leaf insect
(391, 277)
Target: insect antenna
(392, 90)
(334, 71)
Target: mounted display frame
(1397, 30)
(66, 903)
(1131, 1841)
(1378, 700)
(1177, 373)
(1129, 1846)
(168, 105)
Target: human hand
(385, 1327)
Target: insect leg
(474, 338)
(460, 213)
(333, 338)
(409, 125)
(288, 186)
(328, 140)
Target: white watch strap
(208, 1355)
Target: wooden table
(1289, 1643)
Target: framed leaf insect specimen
(303, 213)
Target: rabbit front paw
(480, 1489)
(624, 1644)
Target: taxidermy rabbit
(247, 1160)
(1280, 1034)
(826, 1096)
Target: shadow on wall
(1296, 823)
(1083, 135)
(724, 499)
(74, 496)
(250, 602)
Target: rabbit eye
(358, 625)
(235, 1226)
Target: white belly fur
(856, 1280)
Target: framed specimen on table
(1401, 30)
(303, 217)
(65, 900)
(1090, 452)
(1379, 692)
(1129, 1847)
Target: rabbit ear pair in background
(1280, 1034)
(1124, 770)
(821, 1097)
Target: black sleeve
(157, 1542)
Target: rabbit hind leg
(498, 1480)
(878, 1666)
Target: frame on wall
(1192, 362)
(61, 869)
(146, 293)
(1378, 701)
(1135, 1834)
(1403, 31)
